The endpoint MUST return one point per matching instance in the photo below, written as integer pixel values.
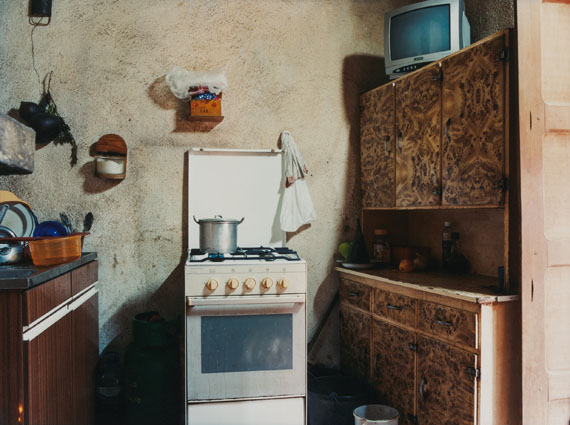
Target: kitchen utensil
(10, 253)
(50, 228)
(218, 234)
(19, 218)
(65, 221)
(88, 222)
(57, 250)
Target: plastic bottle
(446, 245)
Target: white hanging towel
(297, 208)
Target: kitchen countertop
(26, 275)
(467, 287)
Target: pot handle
(241, 221)
(194, 217)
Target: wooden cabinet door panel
(377, 154)
(49, 376)
(85, 336)
(84, 276)
(393, 368)
(45, 297)
(418, 125)
(355, 328)
(446, 388)
(473, 143)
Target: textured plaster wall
(291, 64)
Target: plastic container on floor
(332, 397)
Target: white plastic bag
(179, 81)
(297, 208)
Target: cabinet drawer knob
(443, 322)
(393, 307)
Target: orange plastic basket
(56, 250)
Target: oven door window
(246, 343)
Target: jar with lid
(381, 247)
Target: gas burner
(260, 253)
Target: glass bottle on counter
(446, 245)
(381, 247)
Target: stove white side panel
(236, 184)
(287, 411)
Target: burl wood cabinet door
(49, 375)
(446, 384)
(393, 367)
(355, 342)
(377, 147)
(473, 143)
(418, 125)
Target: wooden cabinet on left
(49, 350)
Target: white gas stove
(245, 311)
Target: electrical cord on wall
(35, 24)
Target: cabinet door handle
(386, 144)
(376, 361)
(446, 130)
(393, 307)
(354, 294)
(437, 191)
(399, 142)
(443, 322)
(423, 388)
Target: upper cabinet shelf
(437, 138)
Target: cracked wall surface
(291, 64)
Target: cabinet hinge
(505, 54)
(475, 372)
(413, 347)
(502, 184)
(412, 419)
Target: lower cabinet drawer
(452, 324)
(395, 307)
(355, 293)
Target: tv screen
(420, 32)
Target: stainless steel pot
(10, 253)
(218, 234)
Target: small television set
(421, 33)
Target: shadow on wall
(360, 73)
(161, 95)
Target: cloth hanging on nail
(297, 208)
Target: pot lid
(219, 219)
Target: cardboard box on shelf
(206, 108)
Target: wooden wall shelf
(206, 119)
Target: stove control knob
(283, 283)
(212, 284)
(267, 282)
(249, 283)
(233, 283)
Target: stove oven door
(245, 347)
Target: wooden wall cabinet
(438, 137)
(439, 356)
(50, 337)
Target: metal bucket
(375, 414)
